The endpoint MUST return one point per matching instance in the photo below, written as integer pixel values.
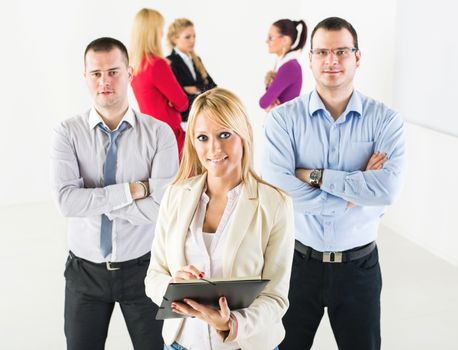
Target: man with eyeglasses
(341, 157)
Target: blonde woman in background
(220, 220)
(186, 65)
(155, 87)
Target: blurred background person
(285, 39)
(186, 65)
(155, 87)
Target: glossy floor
(419, 297)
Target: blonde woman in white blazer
(220, 220)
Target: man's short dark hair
(106, 44)
(336, 23)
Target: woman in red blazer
(155, 87)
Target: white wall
(42, 83)
(426, 211)
(426, 64)
(425, 93)
(42, 63)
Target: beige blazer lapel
(243, 214)
(187, 206)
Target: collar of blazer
(238, 227)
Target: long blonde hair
(224, 108)
(145, 37)
(175, 28)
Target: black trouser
(350, 291)
(90, 295)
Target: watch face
(315, 175)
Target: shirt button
(331, 186)
(327, 223)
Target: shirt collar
(282, 60)
(183, 55)
(231, 195)
(354, 104)
(95, 118)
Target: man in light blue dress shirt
(109, 169)
(341, 156)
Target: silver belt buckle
(109, 268)
(332, 257)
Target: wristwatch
(315, 177)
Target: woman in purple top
(285, 81)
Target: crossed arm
(376, 185)
(135, 202)
(375, 162)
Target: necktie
(109, 178)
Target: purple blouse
(286, 85)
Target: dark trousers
(176, 346)
(90, 294)
(351, 293)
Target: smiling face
(185, 40)
(219, 149)
(107, 76)
(333, 72)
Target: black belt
(335, 257)
(112, 266)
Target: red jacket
(154, 87)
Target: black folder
(239, 294)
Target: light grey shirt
(147, 150)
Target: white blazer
(260, 243)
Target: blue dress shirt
(303, 134)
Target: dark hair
(336, 23)
(289, 28)
(106, 44)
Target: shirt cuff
(118, 195)
(340, 183)
(333, 185)
(332, 205)
(128, 193)
(231, 334)
(333, 181)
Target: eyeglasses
(273, 37)
(341, 52)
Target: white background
(42, 63)
(409, 55)
(408, 61)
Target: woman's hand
(188, 272)
(272, 105)
(217, 318)
(270, 76)
(192, 90)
